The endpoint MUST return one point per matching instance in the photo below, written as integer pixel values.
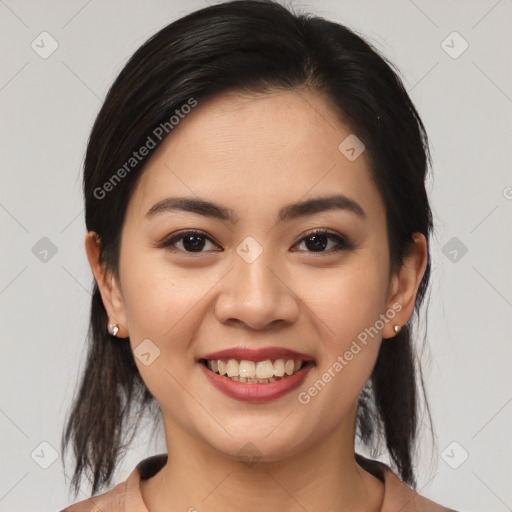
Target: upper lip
(258, 354)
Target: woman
(258, 229)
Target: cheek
(160, 305)
(157, 301)
(345, 305)
(348, 300)
(349, 303)
(162, 301)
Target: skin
(255, 154)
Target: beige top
(126, 496)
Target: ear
(107, 284)
(405, 283)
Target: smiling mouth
(256, 372)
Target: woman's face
(255, 277)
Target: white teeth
(252, 372)
(279, 368)
(233, 368)
(264, 369)
(221, 367)
(248, 369)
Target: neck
(323, 477)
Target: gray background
(47, 108)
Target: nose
(257, 295)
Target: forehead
(257, 151)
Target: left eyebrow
(321, 204)
(287, 213)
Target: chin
(259, 445)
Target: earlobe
(107, 285)
(406, 283)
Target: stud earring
(396, 328)
(113, 329)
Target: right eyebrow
(193, 205)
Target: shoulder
(115, 499)
(401, 497)
(126, 496)
(397, 494)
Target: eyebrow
(287, 213)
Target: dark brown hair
(255, 46)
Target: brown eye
(187, 241)
(193, 243)
(319, 240)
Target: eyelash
(342, 242)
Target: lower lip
(256, 392)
